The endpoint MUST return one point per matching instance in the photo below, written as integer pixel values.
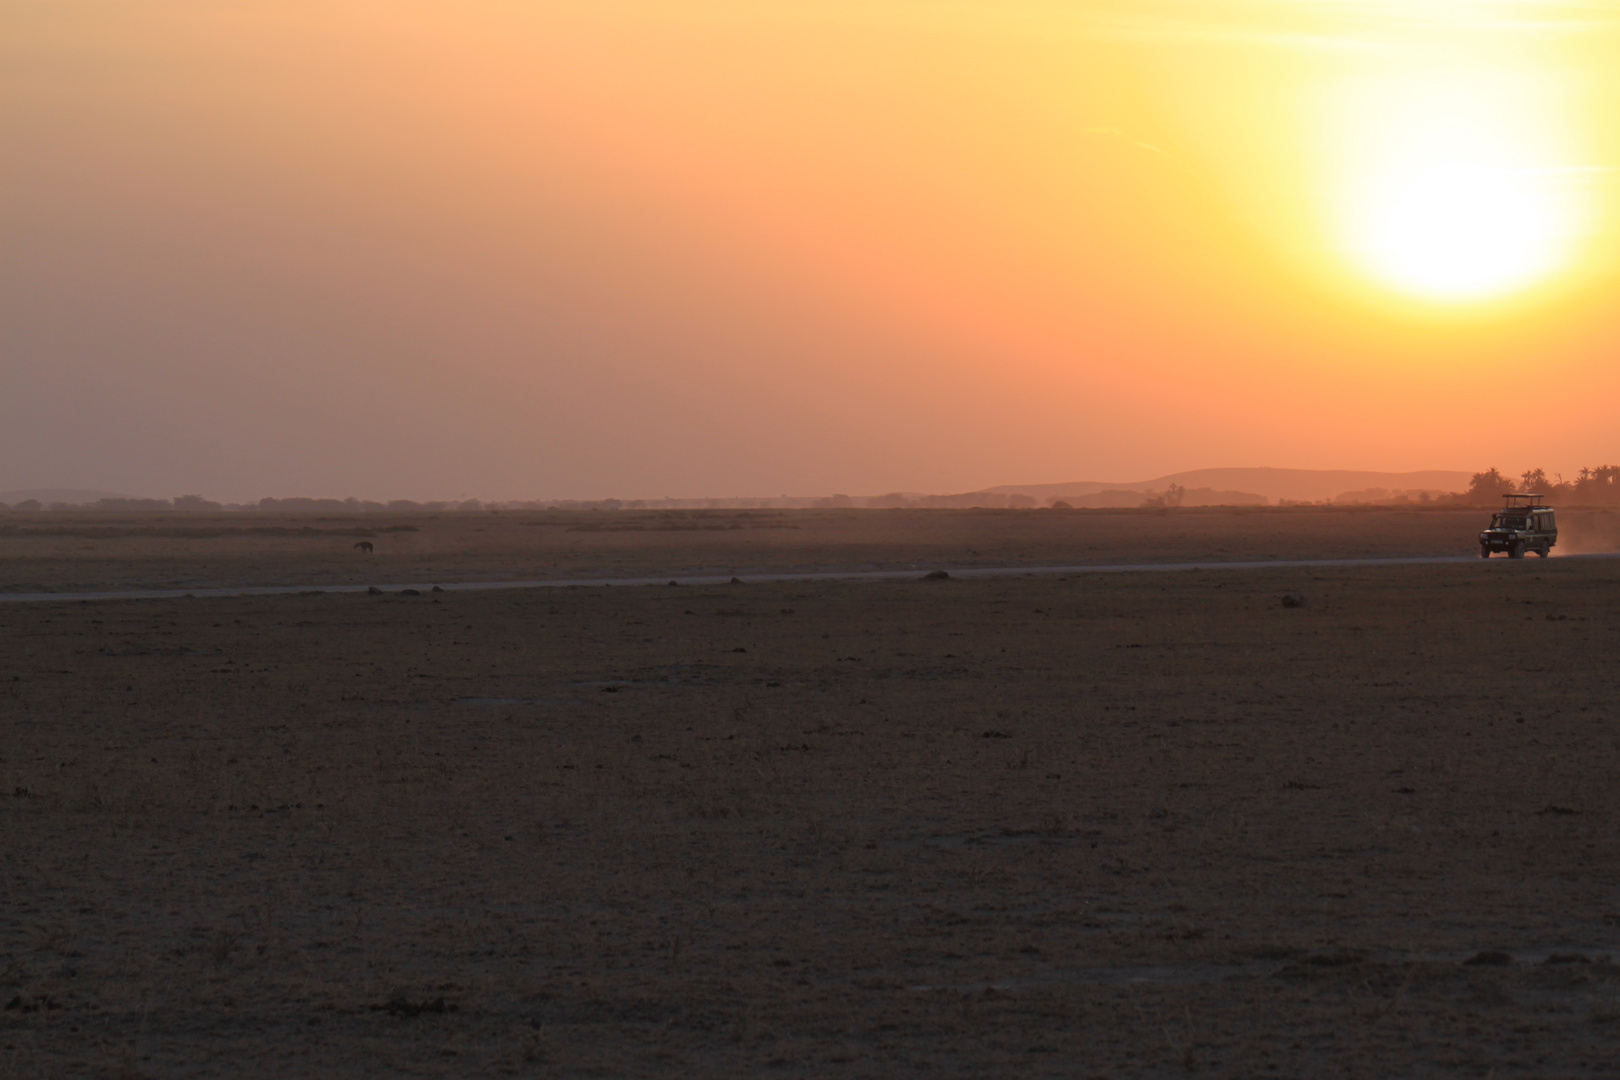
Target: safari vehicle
(1520, 526)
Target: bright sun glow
(1465, 230)
(1454, 193)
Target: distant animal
(364, 547)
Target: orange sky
(580, 248)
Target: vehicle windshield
(1508, 521)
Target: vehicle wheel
(1541, 552)
(1515, 551)
(1484, 551)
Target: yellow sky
(648, 247)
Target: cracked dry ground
(1119, 825)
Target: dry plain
(1096, 825)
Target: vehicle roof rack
(1523, 498)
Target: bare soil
(1106, 825)
(96, 552)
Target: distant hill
(71, 496)
(1312, 485)
(1114, 498)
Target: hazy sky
(723, 247)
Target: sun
(1452, 191)
(1464, 231)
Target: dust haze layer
(1211, 487)
(1305, 485)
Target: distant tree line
(297, 505)
(196, 504)
(1590, 487)
(1173, 496)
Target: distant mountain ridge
(1304, 485)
